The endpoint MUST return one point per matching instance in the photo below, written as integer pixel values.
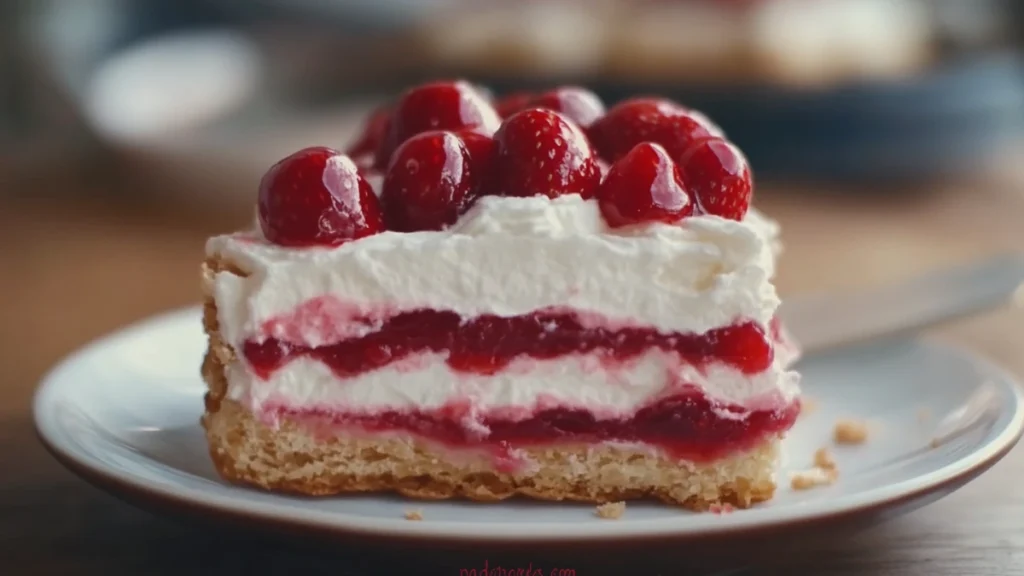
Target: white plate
(124, 413)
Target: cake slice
(564, 303)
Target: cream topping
(512, 256)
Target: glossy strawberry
(481, 148)
(481, 154)
(649, 120)
(374, 130)
(437, 106)
(429, 184)
(512, 103)
(542, 152)
(719, 177)
(317, 196)
(577, 104)
(644, 186)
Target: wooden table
(75, 269)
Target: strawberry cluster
(443, 145)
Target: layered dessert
(531, 296)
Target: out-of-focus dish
(183, 112)
(797, 43)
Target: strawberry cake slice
(480, 299)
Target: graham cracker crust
(293, 458)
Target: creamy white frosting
(507, 256)
(512, 256)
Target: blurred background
(887, 137)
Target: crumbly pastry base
(293, 458)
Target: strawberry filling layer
(687, 426)
(487, 344)
(686, 423)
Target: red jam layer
(487, 344)
(687, 426)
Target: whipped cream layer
(509, 256)
(425, 383)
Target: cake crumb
(924, 415)
(416, 514)
(807, 479)
(935, 443)
(717, 508)
(611, 510)
(823, 459)
(850, 432)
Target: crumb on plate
(611, 510)
(850, 432)
(721, 508)
(807, 479)
(823, 459)
(924, 415)
(416, 514)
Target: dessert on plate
(530, 296)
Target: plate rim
(190, 499)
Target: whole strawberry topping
(437, 106)
(481, 155)
(481, 149)
(644, 186)
(373, 133)
(579, 105)
(512, 103)
(317, 196)
(649, 120)
(542, 152)
(719, 177)
(429, 184)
